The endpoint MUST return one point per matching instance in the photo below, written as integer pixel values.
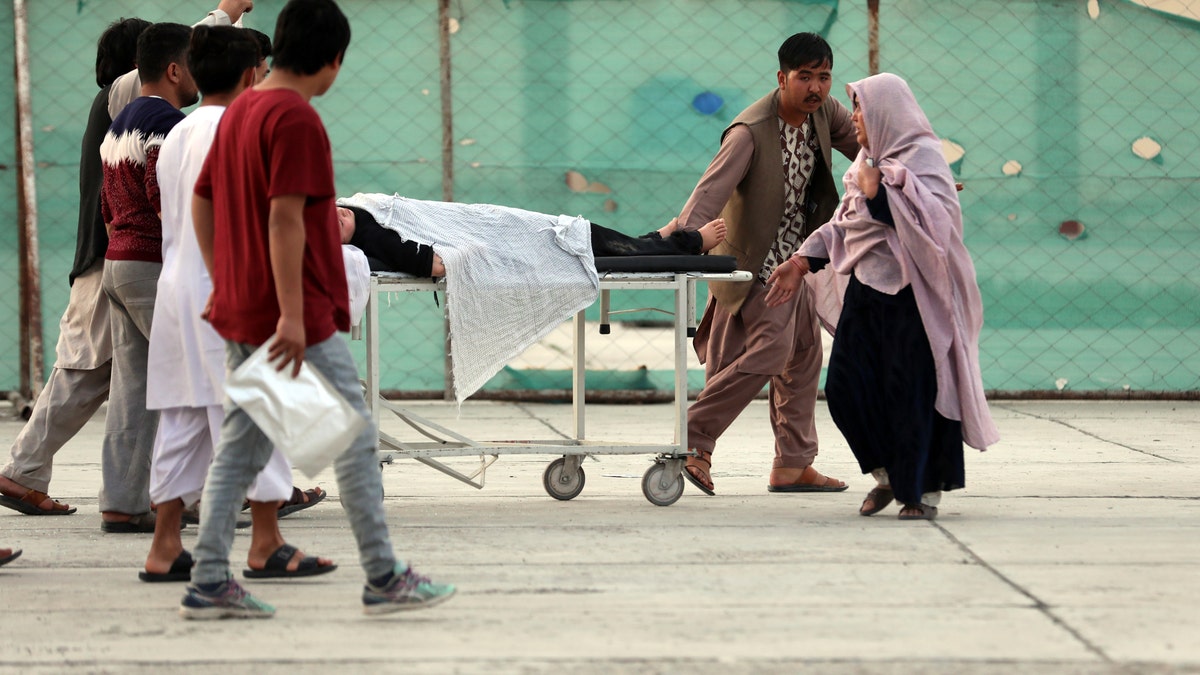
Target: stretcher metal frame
(564, 478)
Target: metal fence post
(31, 294)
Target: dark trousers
(881, 386)
(606, 243)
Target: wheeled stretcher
(564, 477)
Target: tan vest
(754, 211)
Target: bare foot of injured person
(711, 234)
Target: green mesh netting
(1052, 112)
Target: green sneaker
(406, 590)
(229, 601)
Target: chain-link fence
(1072, 124)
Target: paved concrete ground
(1074, 549)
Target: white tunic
(186, 363)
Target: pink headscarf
(925, 250)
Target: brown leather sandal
(31, 504)
(811, 480)
(697, 471)
(918, 512)
(879, 497)
(301, 500)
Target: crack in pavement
(1040, 605)
(1085, 432)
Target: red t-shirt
(271, 143)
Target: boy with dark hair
(804, 49)
(265, 222)
(159, 48)
(186, 369)
(219, 57)
(129, 203)
(305, 38)
(296, 499)
(264, 52)
(116, 51)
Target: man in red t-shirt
(264, 217)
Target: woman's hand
(868, 179)
(785, 280)
(439, 269)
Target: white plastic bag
(305, 417)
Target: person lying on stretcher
(388, 251)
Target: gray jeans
(128, 428)
(244, 450)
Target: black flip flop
(10, 557)
(142, 523)
(181, 570)
(277, 566)
(298, 503)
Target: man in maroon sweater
(129, 203)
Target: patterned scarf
(799, 146)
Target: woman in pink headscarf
(900, 296)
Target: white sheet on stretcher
(358, 281)
(512, 276)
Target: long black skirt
(881, 386)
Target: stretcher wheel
(660, 486)
(561, 482)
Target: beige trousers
(742, 353)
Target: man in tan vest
(771, 182)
